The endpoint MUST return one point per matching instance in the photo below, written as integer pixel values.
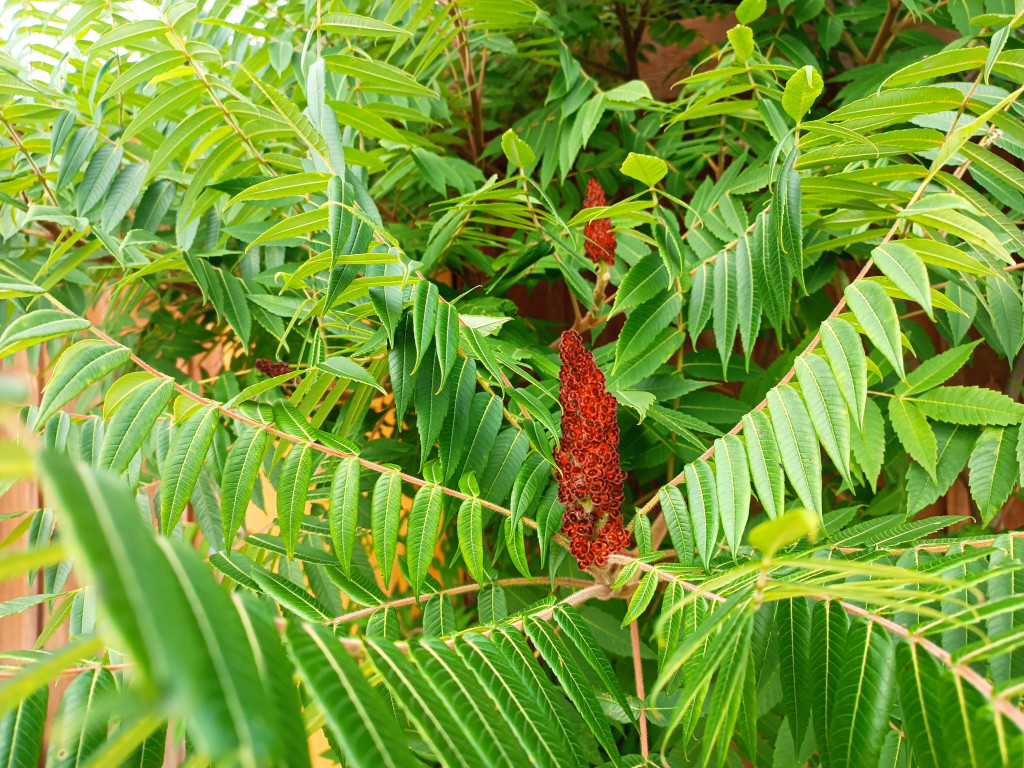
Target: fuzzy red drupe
(600, 237)
(590, 479)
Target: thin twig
(638, 673)
(886, 33)
(461, 589)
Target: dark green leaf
(344, 511)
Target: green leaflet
(385, 515)
(357, 717)
(154, 205)
(641, 598)
(236, 567)
(78, 150)
(290, 595)
(733, 483)
(726, 312)
(132, 423)
(665, 345)
(290, 114)
(785, 231)
(677, 521)
(478, 344)
(845, 353)
(643, 325)
(1004, 307)
(646, 169)
(673, 618)
(827, 410)
(401, 361)
(829, 625)
(122, 194)
(344, 511)
(921, 698)
(446, 338)
(81, 365)
(793, 619)
(421, 704)
(290, 419)
(707, 656)
(935, 370)
(578, 632)
(954, 445)
(863, 694)
(195, 125)
(387, 303)
(11, 289)
(439, 617)
(914, 432)
(970, 405)
(518, 703)
(868, 444)
(703, 509)
(772, 276)
(802, 88)
(36, 327)
(876, 314)
(523, 662)
(765, 462)
(644, 281)
(303, 552)
(278, 674)
(99, 174)
(492, 605)
(905, 268)
(424, 311)
(78, 728)
(515, 544)
(293, 486)
(423, 532)
(532, 476)
(377, 77)
(701, 300)
(517, 151)
(471, 537)
(241, 470)
(930, 67)
(433, 401)
(993, 469)
(549, 519)
(22, 729)
(798, 444)
(503, 464)
(291, 185)
(452, 440)
(345, 368)
(479, 433)
(336, 217)
(450, 676)
(180, 469)
(570, 677)
(748, 296)
(725, 703)
(229, 297)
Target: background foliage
(296, 442)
